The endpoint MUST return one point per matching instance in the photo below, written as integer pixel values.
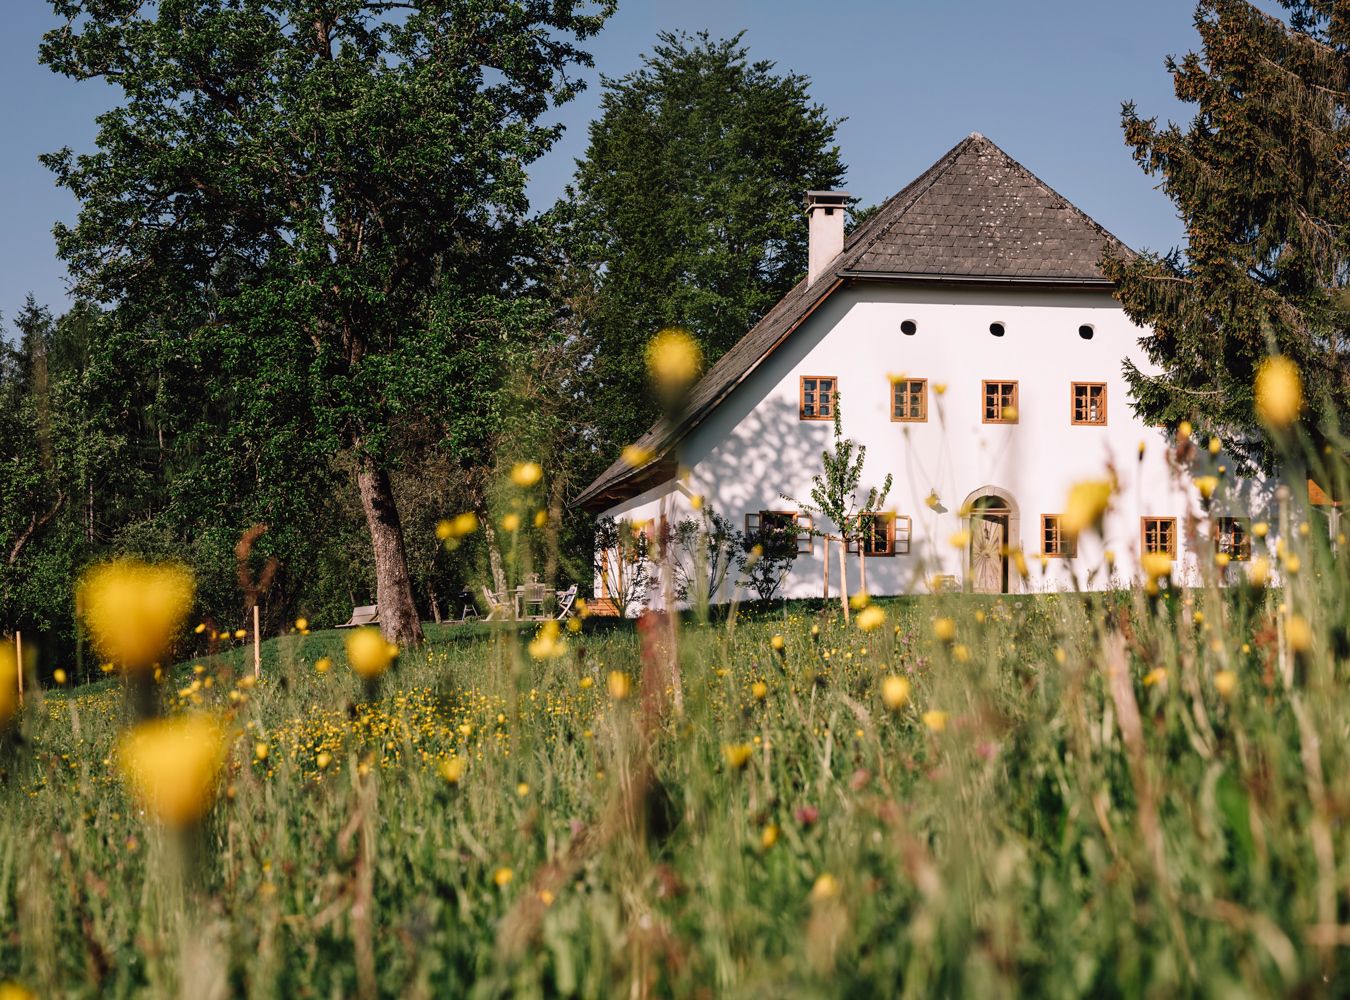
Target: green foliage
(686, 209)
(1258, 177)
(834, 490)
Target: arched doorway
(992, 521)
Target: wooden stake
(826, 540)
(843, 577)
(18, 661)
(257, 646)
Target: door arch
(994, 525)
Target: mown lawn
(1108, 795)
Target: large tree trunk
(393, 586)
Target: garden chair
(534, 596)
(565, 600)
(366, 614)
(499, 608)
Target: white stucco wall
(754, 447)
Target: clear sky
(1043, 78)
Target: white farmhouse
(977, 350)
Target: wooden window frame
(1073, 404)
(1171, 535)
(1016, 402)
(894, 538)
(805, 540)
(801, 396)
(922, 418)
(1067, 547)
(1244, 547)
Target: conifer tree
(1260, 179)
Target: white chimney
(825, 232)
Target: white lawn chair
(565, 601)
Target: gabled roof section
(976, 215)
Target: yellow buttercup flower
(760, 690)
(1279, 392)
(944, 629)
(1156, 564)
(1207, 485)
(13, 991)
(737, 755)
(511, 523)
(502, 877)
(134, 610)
(464, 524)
(1298, 633)
(1225, 682)
(768, 836)
(1258, 573)
(673, 359)
(548, 644)
(826, 887)
(1085, 507)
(620, 685)
(322, 665)
(1157, 675)
(526, 474)
(172, 766)
(894, 692)
(635, 455)
(871, 617)
(935, 720)
(368, 653)
(9, 683)
(777, 642)
(444, 529)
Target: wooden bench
(368, 614)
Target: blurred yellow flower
(540, 518)
(301, 624)
(548, 643)
(871, 617)
(1207, 485)
(172, 766)
(1225, 682)
(503, 876)
(960, 539)
(1157, 675)
(323, 760)
(511, 522)
(368, 654)
(620, 685)
(13, 991)
(760, 690)
(944, 629)
(768, 836)
(931, 501)
(935, 720)
(1215, 445)
(737, 754)
(525, 474)
(777, 642)
(322, 665)
(1155, 565)
(260, 751)
(826, 887)
(1279, 392)
(59, 676)
(894, 692)
(673, 359)
(134, 610)
(635, 455)
(464, 524)
(444, 529)
(1260, 529)
(1258, 573)
(1298, 633)
(1085, 506)
(9, 682)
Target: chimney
(825, 232)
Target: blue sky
(1042, 78)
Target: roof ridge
(885, 218)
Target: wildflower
(1279, 392)
(961, 653)
(464, 524)
(59, 676)
(960, 539)
(935, 720)
(1215, 445)
(777, 642)
(944, 629)
(1183, 430)
(13, 991)
(673, 360)
(768, 836)
(931, 501)
(620, 685)
(368, 653)
(444, 530)
(1258, 573)
(894, 692)
(9, 683)
(1260, 529)
(548, 643)
(635, 455)
(522, 790)
(760, 690)
(172, 766)
(737, 754)
(201, 627)
(526, 474)
(585, 682)
(1157, 675)
(502, 877)
(452, 770)
(826, 887)
(322, 665)
(260, 751)
(1292, 563)
(240, 633)
(133, 610)
(1298, 633)
(1086, 506)
(1207, 485)
(940, 388)
(1222, 559)
(323, 760)
(511, 523)
(696, 502)
(871, 617)
(540, 518)
(301, 624)
(1156, 565)
(1225, 682)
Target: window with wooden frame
(909, 400)
(1000, 402)
(1054, 540)
(1233, 538)
(1158, 534)
(817, 397)
(1089, 403)
(883, 534)
(781, 520)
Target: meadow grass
(1081, 795)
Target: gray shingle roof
(974, 215)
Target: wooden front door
(988, 552)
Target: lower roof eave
(920, 277)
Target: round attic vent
(909, 328)
(1085, 332)
(996, 329)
